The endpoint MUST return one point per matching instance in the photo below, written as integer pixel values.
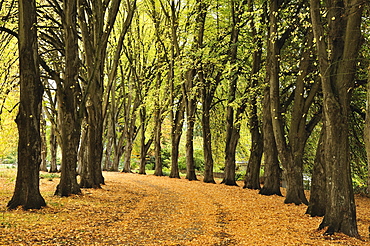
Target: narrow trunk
(157, 146)
(144, 147)
(318, 194)
(44, 149)
(207, 140)
(176, 132)
(53, 149)
(108, 149)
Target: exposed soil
(133, 209)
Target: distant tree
(26, 192)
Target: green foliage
(49, 176)
(198, 160)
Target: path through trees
(134, 209)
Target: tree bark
(44, 149)
(272, 170)
(337, 71)
(68, 97)
(318, 194)
(367, 132)
(207, 137)
(252, 176)
(53, 149)
(233, 114)
(95, 30)
(144, 146)
(27, 193)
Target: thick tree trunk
(367, 132)
(272, 171)
(91, 175)
(26, 192)
(337, 75)
(318, 194)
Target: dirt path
(133, 209)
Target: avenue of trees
(282, 82)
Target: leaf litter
(133, 209)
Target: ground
(133, 209)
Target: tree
(233, 110)
(318, 198)
(341, 37)
(26, 192)
(69, 98)
(251, 180)
(190, 86)
(96, 19)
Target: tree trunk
(337, 71)
(44, 149)
(144, 146)
(232, 138)
(367, 132)
(107, 165)
(27, 192)
(272, 171)
(233, 115)
(207, 139)
(95, 31)
(157, 143)
(68, 98)
(190, 120)
(177, 120)
(252, 176)
(318, 194)
(53, 149)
